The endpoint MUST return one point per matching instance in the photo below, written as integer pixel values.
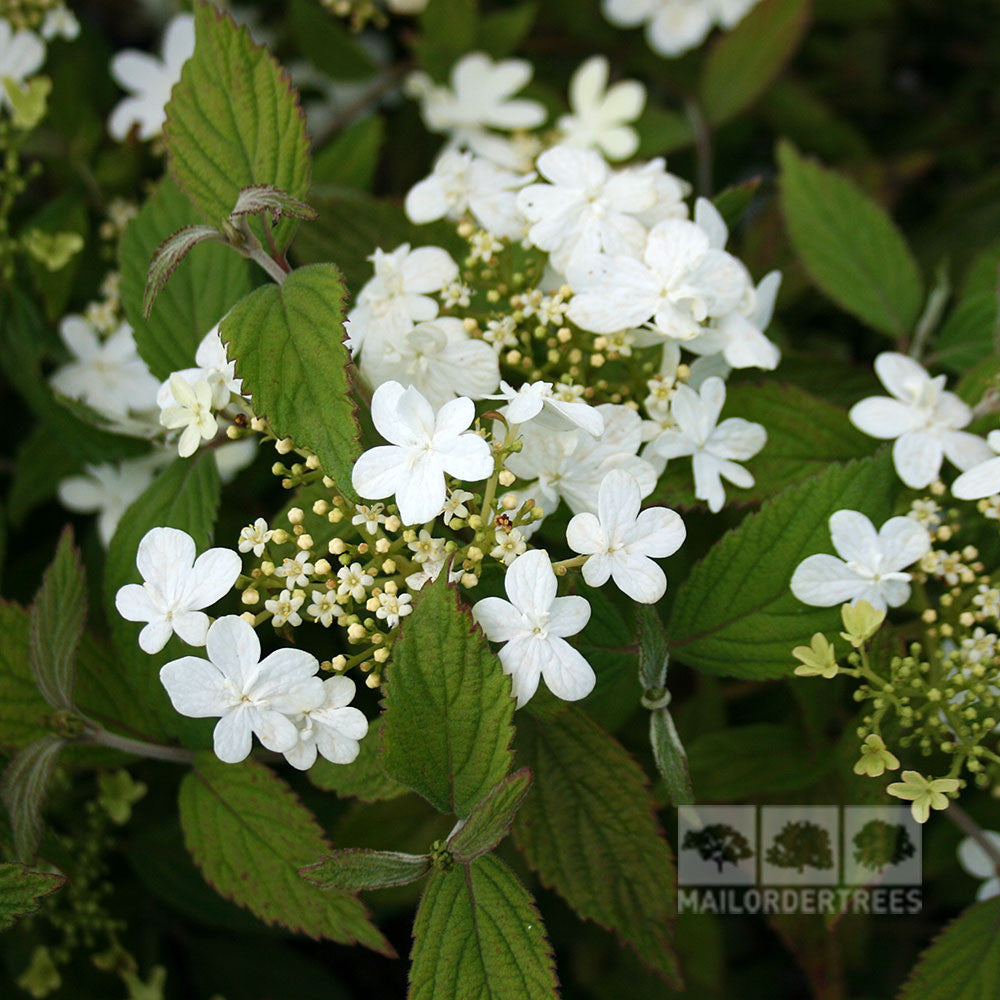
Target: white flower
(21, 54)
(324, 607)
(871, 564)
(454, 506)
(923, 418)
(600, 114)
(370, 517)
(681, 282)
(438, 358)
(392, 607)
(332, 729)
(406, 6)
(424, 447)
(192, 411)
(979, 865)
(251, 697)
(622, 541)
(60, 22)
(254, 537)
(714, 448)
(586, 208)
(285, 608)
(295, 572)
(538, 402)
(354, 581)
(213, 367)
(673, 27)
(426, 548)
(462, 182)
(175, 588)
(509, 545)
(108, 490)
(397, 297)
(982, 480)
(109, 376)
(149, 80)
(533, 625)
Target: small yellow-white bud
(389, 567)
(305, 542)
(267, 567)
(509, 502)
(249, 617)
(295, 515)
(320, 507)
(336, 547)
(506, 477)
(284, 446)
(312, 462)
(382, 545)
(250, 596)
(355, 632)
(321, 567)
(380, 655)
(475, 554)
(469, 579)
(279, 536)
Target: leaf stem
(141, 748)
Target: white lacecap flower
(250, 697)
(715, 448)
(979, 864)
(213, 367)
(533, 625)
(332, 729)
(601, 115)
(424, 447)
(438, 358)
(108, 375)
(536, 402)
(924, 419)
(191, 411)
(982, 480)
(21, 55)
(176, 587)
(621, 540)
(872, 565)
(149, 81)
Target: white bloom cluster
(22, 50)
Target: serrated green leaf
(849, 246)
(358, 868)
(57, 618)
(23, 711)
(41, 463)
(448, 709)
(364, 778)
(234, 120)
(21, 889)
(23, 789)
(287, 341)
(963, 963)
(491, 818)
(735, 613)
(249, 834)
(185, 495)
(588, 829)
(744, 61)
(968, 335)
(478, 936)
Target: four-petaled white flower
(250, 696)
(437, 358)
(537, 402)
(332, 729)
(600, 115)
(149, 80)
(714, 448)
(871, 566)
(924, 419)
(982, 480)
(21, 54)
(176, 587)
(424, 447)
(213, 367)
(533, 625)
(622, 541)
(192, 411)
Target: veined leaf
(448, 709)
(735, 613)
(967, 336)
(249, 835)
(359, 868)
(57, 619)
(491, 818)
(350, 158)
(23, 710)
(364, 778)
(478, 936)
(23, 789)
(849, 246)
(288, 344)
(21, 889)
(588, 829)
(233, 120)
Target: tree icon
(879, 845)
(800, 845)
(718, 842)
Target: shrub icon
(800, 845)
(879, 845)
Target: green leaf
(735, 613)
(186, 496)
(654, 648)
(287, 341)
(733, 202)
(249, 834)
(350, 158)
(234, 120)
(326, 43)
(502, 31)
(358, 868)
(963, 963)
(23, 789)
(364, 778)
(490, 820)
(448, 31)
(197, 295)
(478, 936)
(20, 891)
(588, 829)
(968, 335)
(448, 707)
(849, 246)
(57, 619)
(743, 62)
(23, 711)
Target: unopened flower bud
(250, 596)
